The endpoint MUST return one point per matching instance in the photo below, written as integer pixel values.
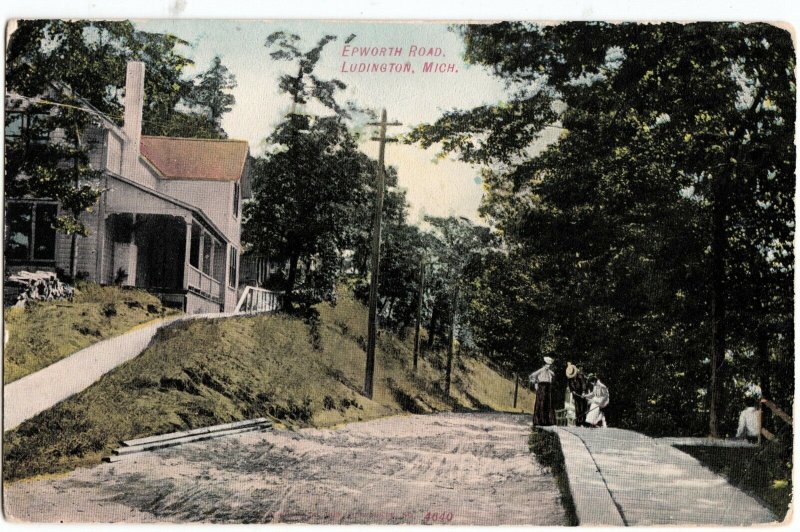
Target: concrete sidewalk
(648, 482)
(34, 393)
(708, 442)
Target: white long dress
(598, 399)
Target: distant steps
(132, 447)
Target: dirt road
(447, 468)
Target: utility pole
(419, 312)
(376, 250)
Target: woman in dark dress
(578, 386)
(542, 380)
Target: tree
(210, 92)
(458, 249)
(639, 216)
(305, 86)
(306, 190)
(302, 195)
(359, 235)
(506, 312)
(189, 124)
(404, 248)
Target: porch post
(213, 260)
(187, 251)
(99, 273)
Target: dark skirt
(543, 413)
(581, 407)
(578, 386)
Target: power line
(42, 101)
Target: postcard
(389, 272)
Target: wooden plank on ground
(202, 430)
(124, 452)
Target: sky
(442, 188)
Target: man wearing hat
(578, 386)
(542, 380)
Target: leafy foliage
(652, 240)
(402, 251)
(306, 86)
(311, 192)
(303, 195)
(211, 92)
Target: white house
(168, 219)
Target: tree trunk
(419, 314)
(289, 302)
(73, 257)
(719, 249)
(719, 244)
(762, 358)
(516, 389)
(451, 341)
(432, 325)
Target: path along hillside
(45, 332)
(206, 372)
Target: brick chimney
(134, 102)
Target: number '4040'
(439, 517)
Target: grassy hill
(206, 372)
(45, 332)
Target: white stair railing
(256, 299)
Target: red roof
(202, 159)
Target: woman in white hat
(542, 380)
(578, 386)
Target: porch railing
(256, 299)
(204, 283)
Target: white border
(785, 11)
(763, 10)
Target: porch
(179, 258)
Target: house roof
(200, 159)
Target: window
(14, 124)
(31, 234)
(19, 217)
(44, 235)
(232, 267)
(17, 122)
(236, 193)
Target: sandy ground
(469, 469)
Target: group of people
(590, 396)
